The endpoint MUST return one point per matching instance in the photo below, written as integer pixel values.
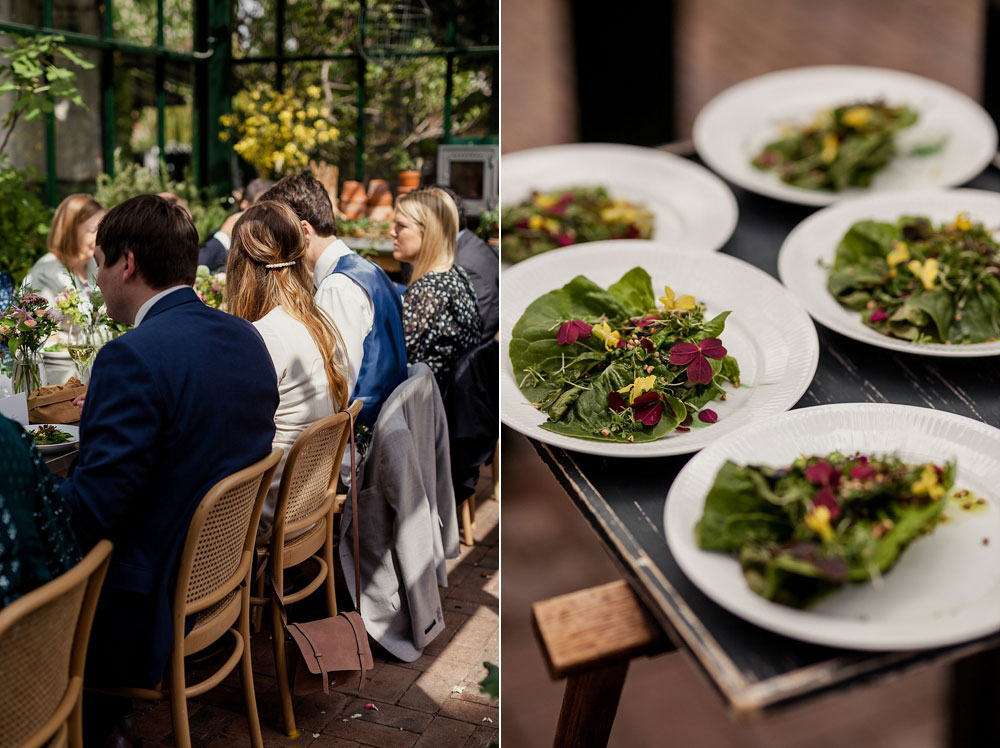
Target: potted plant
(409, 171)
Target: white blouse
(50, 277)
(304, 394)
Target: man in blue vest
(356, 293)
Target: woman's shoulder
(46, 264)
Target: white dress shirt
(303, 390)
(348, 305)
(144, 309)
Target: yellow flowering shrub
(277, 132)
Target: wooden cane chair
(43, 648)
(303, 529)
(213, 581)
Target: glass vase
(27, 372)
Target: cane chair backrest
(43, 646)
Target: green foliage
(24, 221)
(488, 222)
(131, 179)
(490, 685)
(29, 74)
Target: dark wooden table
(756, 671)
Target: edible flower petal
(825, 498)
(640, 386)
(857, 117)
(927, 484)
(900, 253)
(699, 371)
(543, 202)
(646, 397)
(649, 413)
(616, 402)
(572, 331)
(684, 353)
(962, 222)
(818, 520)
(830, 147)
(878, 315)
(693, 355)
(671, 301)
(712, 347)
(926, 272)
(643, 322)
(708, 416)
(536, 222)
(863, 472)
(604, 332)
(821, 473)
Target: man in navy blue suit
(155, 434)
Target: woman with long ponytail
(268, 284)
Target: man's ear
(307, 227)
(129, 269)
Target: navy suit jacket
(213, 255)
(155, 435)
(483, 266)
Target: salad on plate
(618, 364)
(575, 215)
(48, 435)
(920, 282)
(803, 530)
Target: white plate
(768, 332)
(74, 431)
(815, 240)
(692, 207)
(944, 588)
(736, 124)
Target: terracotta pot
(380, 212)
(351, 192)
(353, 210)
(405, 190)
(409, 178)
(376, 186)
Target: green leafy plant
(30, 76)
(490, 685)
(488, 222)
(131, 179)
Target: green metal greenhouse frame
(212, 58)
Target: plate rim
(690, 168)
(610, 449)
(847, 637)
(786, 193)
(858, 332)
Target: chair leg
(472, 509)
(281, 670)
(467, 522)
(178, 700)
(331, 587)
(258, 610)
(246, 674)
(76, 724)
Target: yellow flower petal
(542, 202)
(857, 117)
(962, 222)
(685, 302)
(818, 520)
(830, 148)
(536, 222)
(900, 253)
(928, 484)
(926, 272)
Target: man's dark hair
(463, 222)
(158, 232)
(256, 188)
(305, 195)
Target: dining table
(757, 672)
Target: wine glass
(81, 349)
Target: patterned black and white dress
(440, 320)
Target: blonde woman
(69, 262)
(268, 284)
(440, 316)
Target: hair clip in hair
(279, 265)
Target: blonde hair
(265, 269)
(435, 213)
(71, 212)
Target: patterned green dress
(37, 543)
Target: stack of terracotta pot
(379, 200)
(353, 200)
(409, 180)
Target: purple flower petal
(572, 331)
(804, 549)
(647, 345)
(712, 347)
(863, 472)
(621, 343)
(682, 429)
(826, 498)
(834, 569)
(645, 320)
(708, 416)
(646, 397)
(684, 353)
(878, 315)
(564, 240)
(821, 473)
(649, 413)
(699, 371)
(616, 402)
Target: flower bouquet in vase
(209, 287)
(24, 327)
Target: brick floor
(433, 702)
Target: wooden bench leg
(589, 706)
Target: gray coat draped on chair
(408, 522)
